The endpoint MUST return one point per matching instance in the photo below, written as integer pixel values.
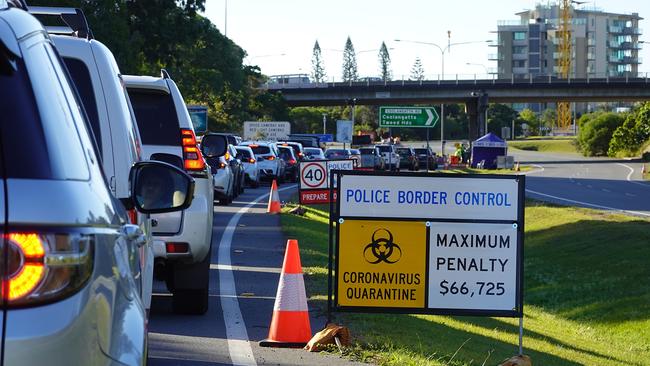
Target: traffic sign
(435, 244)
(313, 175)
(391, 116)
(314, 179)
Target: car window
(384, 148)
(53, 96)
(156, 117)
(404, 151)
(259, 150)
(420, 151)
(241, 153)
(81, 78)
(285, 153)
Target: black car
(426, 158)
(408, 159)
(237, 170)
(291, 168)
(298, 150)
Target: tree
(630, 137)
(501, 115)
(318, 71)
(349, 62)
(531, 121)
(596, 133)
(417, 71)
(384, 63)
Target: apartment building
(603, 44)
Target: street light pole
(442, 74)
(324, 120)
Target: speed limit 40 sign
(313, 175)
(314, 179)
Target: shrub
(596, 133)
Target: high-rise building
(603, 44)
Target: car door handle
(134, 234)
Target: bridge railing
(469, 78)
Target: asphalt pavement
(575, 180)
(247, 253)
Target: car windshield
(260, 150)
(355, 152)
(367, 151)
(404, 151)
(242, 153)
(286, 153)
(313, 152)
(384, 148)
(156, 116)
(336, 153)
(421, 151)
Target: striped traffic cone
(274, 199)
(290, 323)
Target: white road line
(629, 176)
(541, 169)
(239, 347)
(588, 204)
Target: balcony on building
(618, 29)
(495, 57)
(624, 45)
(624, 59)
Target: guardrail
(475, 79)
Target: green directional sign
(408, 116)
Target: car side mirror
(158, 187)
(214, 146)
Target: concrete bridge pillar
(476, 107)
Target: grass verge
(565, 145)
(587, 297)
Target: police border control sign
(434, 244)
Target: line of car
(112, 191)
(386, 157)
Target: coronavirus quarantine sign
(438, 244)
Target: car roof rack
(74, 18)
(20, 4)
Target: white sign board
(266, 130)
(344, 131)
(426, 197)
(472, 266)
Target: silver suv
(97, 77)
(183, 252)
(70, 256)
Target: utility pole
(324, 120)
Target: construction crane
(564, 32)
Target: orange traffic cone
(274, 199)
(290, 323)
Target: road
(248, 249)
(572, 179)
(247, 253)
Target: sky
(279, 35)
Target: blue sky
(279, 35)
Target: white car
(390, 156)
(224, 180)
(183, 251)
(98, 79)
(247, 157)
(269, 164)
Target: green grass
(560, 145)
(587, 297)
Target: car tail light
(45, 267)
(191, 153)
(301, 155)
(177, 247)
(133, 215)
(270, 158)
(251, 160)
(222, 165)
(292, 161)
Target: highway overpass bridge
(474, 93)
